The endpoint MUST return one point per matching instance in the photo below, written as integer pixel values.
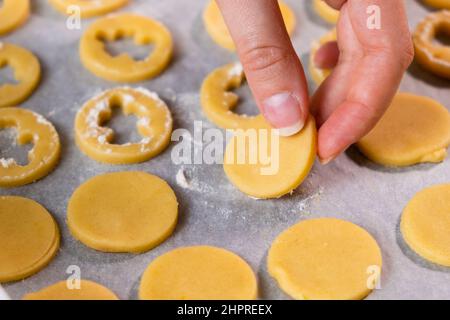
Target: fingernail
(327, 160)
(283, 111)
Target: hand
(370, 66)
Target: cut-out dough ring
(326, 12)
(88, 9)
(439, 4)
(27, 72)
(25, 227)
(123, 68)
(433, 57)
(13, 13)
(31, 127)
(317, 74)
(154, 124)
(218, 30)
(415, 129)
(218, 102)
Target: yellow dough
(29, 238)
(218, 102)
(326, 12)
(123, 68)
(430, 54)
(440, 4)
(322, 259)
(414, 130)
(425, 224)
(123, 212)
(59, 291)
(198, 273)
(27, 72)
(13, 13)
(154, 124)
(317, 74)
(42, 158)
(218, 30)
(88, 8)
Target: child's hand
(349, 103)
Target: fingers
(370, 68)
(336, 4)
(273, 69)
(327, 56)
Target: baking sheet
(211, 210)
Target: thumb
(273, 70)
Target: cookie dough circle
(154, 124)
(123, 212)
(439, 4)
(432, 56)
(198, 273)
(317, 74)
(28, 228)
(13, 13)
(323, 259)
(414, 130)
(287, 161)
(218, 101)
(27, 72)
(42, 158)
(88, 290)
(123, 68)
(88, 9)
(425, 224)
(218, 30)
(326, 12)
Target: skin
(353, 98)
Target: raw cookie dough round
(59, 291)
(218, 30)
(27, 72)
(439, 4)
(123, 68)
(431, 55)
(198, 273)
(218, 101)
(326, 258)
(154, 124)
(87, 9)
(317, 74)
(29, 238)
(42, 158)
(326, 12)
(425, 224)
(414, 130)
(13, 13)
(264, 165)
(123, 212)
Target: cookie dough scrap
(198, 273)
(123, 212)
(439, 4)
(123, 68)
(27, 72)
(29, 238)
(425, 224)
(13, 13)
(154, 124)
(218, 30)
(42, 158)
(433, 56)
(325, 259)
(326, 12)
(87, 9)
(414, 130)
(319, 75)
(88, 290)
